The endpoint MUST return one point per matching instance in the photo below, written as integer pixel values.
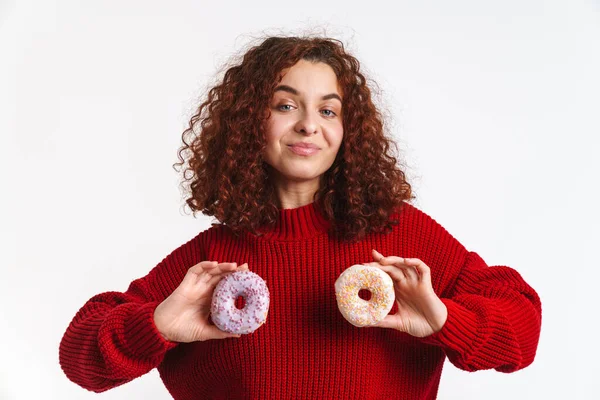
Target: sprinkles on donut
(226, 316)
(361, 312)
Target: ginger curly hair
(228, 177)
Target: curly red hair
(228, 177)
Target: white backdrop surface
(494, 104)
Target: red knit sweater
(306, 349)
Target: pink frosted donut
(361, 312)
(226, 316)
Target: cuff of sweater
(142, 335)
(459, 330)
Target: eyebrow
(293, 91)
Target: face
(306, 108)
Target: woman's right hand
(183, 316)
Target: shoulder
(425, 238)
(192, 250)
(416, 222)
(171, 269)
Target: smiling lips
(304, 149)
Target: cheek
(274, 130)
(273, 142)
(337, 136)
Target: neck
(294, 194)
(289, 202)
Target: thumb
(244, 266)
(390, 321)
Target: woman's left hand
(420, 311)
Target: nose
(307, 124)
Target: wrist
(438, 316)
(159, 328)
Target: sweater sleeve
(494, 319)
(113, 339)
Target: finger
(217, 272)
(202, 266)
(222, 267)
(377, 255)
(390, 321)
(206, 275)
(408, 267)
(410, 272)
(392, 260)
(212, 332)
(198, 270)
(372, 264)
(214, 279)
(422, 268)
(396, 274)
(244, 266)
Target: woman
(292, 160)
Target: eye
(331, 113)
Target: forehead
(309, 78)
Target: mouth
(303, 151)
(305, 145)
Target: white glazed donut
(226, 316)
(361, 312)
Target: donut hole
(365, 294)
(240, 302)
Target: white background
(494, 104)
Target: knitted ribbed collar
(297, 223)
